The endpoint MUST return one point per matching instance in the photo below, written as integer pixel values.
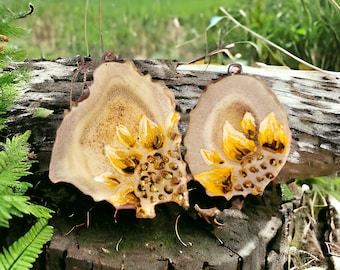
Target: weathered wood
(312, 100)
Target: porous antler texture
(238, 137)
(122, 143)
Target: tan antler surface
(122, 143)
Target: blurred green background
(176, 29)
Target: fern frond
(12, 53)
(6, 214)
(8, 93)
(38, 211)
(13, 158)
(6, 27)
(22, 253)
(9, 84)
(13, 165)
(12, 30)
(11, 205)
(17, 205)
(14, 162)
(10, 186)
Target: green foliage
(13, 158)
(307, 29)
(41, 112)
(131, 28)
(14, 162)
(7, 28)
(287, 194)
(325, 185)
(320, 186)
(7, 94)
(9, 82)
(13, 165)
(9, 51)
(175, 29)
(22, 253)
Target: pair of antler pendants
(122, 143)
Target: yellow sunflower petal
(248, 125)
(124, 135)
(123, 160)
(123, 194)
(109, 179)
(235, 144)
(272, 136)
(171, 124)
(151, 135)
(218, 181)
(211, 157)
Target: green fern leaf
(22, 253)
(11, 205)
(38, 211)
(13, 158)
(9, 187)
(17, 205)
(14, 162)
(6, 27)
(6, 214)
(8, 92)
(13, 165)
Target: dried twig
(74, 227)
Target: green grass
(175, 29)
(308, 29)
(133, 28)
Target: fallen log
(312, 101)
(311, 98)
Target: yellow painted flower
(124, 160)
(248, 125)
(124, 136)
(211, 157)
(272, 135)
(252, 158)
(236, 146)
(151, 135)
(147, 167)
(217, 181)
